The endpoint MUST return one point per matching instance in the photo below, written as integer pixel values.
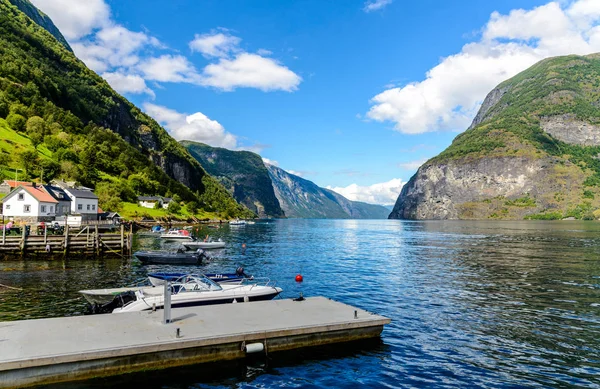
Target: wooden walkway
(44, 351)
(86, 240)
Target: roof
(56, 192)
(150, 198)
(82, 194)
(167, 199)
(14, 184)
(36, 192)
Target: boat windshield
(194, 282)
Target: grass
(134, 210)
(14, 142)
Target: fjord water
(473, 304)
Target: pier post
(122, 238)
(97, 240)
(23, 239)
(66, 237)
(45, 234)
(3, 234)
(167, 303)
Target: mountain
(242, 173)
(532, 151)
(81, 129)
(301, 198)
(41, 19)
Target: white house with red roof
(29, 204)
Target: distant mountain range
(272, 192)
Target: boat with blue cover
(238, 277)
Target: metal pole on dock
(167, 303)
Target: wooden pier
(87, 240)
(44, 351)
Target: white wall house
(29, 204)
(83, 202)
(150, 201)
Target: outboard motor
(240, 272)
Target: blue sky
(352, 95)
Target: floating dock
(44, 351)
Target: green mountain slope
(531, 152)
(41, 19)
(301, 198)
(242, 173)
(93, 134)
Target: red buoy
(299, 278)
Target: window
(51, 208)
(88, 207)
(26, 208)
(93, 207)
(7, 206)
(43, 208)
(21, 196)
(79, 207)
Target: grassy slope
(556, 86)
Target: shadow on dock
(231, 373)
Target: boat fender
(254, 348)
(246, 299)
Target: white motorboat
(237, 222)
(177, 235)
(189, 290)
(219, 244)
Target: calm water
(473, 304)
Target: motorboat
(205, 245)
(189, 290)
(177, 235)
(238, 277)
(178, 257)
(237, 222)
(155, 231)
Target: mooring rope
(10, 287)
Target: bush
(16, 122)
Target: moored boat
(238, 277)
(179, 257)
(204, 245)
(189, 290)
(177, 235)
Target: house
(166, 202)
(8, 185)
(83, 202)
(29, 204)
(150, 201)
(64, 201)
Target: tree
(16, 122)
(35, 124)
(4, 159)
(29, 160)
(192, 207)
(49, 170)
(174, 207)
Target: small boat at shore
(177, 235)
(219, 244)
(189, 290)
(237, 222)
(178, 257)
(238, 277)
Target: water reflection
(473, 304)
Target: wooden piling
(66, 243)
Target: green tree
(49, 170)
(4, 159)
(192, 207)
(174, 207)
(35, 124)
(16, 122)
(29, 160)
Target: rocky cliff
(532, 152)
(302, 198)
(242, 173)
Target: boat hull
(203, 245)
(158, 279)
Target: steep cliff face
(301, 198)
(242, 173)
(531, 152)
(41, 19)
(40, 76)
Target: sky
(353, 95)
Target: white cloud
(412, 165)
(75, 19)
(296, 173)
(215, 44)
(452, 92)
(250, 71)
(196, 127)
(270, 161)
(169, 68)
(127, 83)
(384, 193)
(375, 5)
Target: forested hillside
(73, 126)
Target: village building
(83, 202)
(64, 201)
(8, 185)
(29, 204)
(150, 201)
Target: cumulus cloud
(195, 127)
(384, 193)
(250, 71)
(215, 44)
(127, 83)
(75, 19)
(169, 68)
(452, 91)
(375, 5)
